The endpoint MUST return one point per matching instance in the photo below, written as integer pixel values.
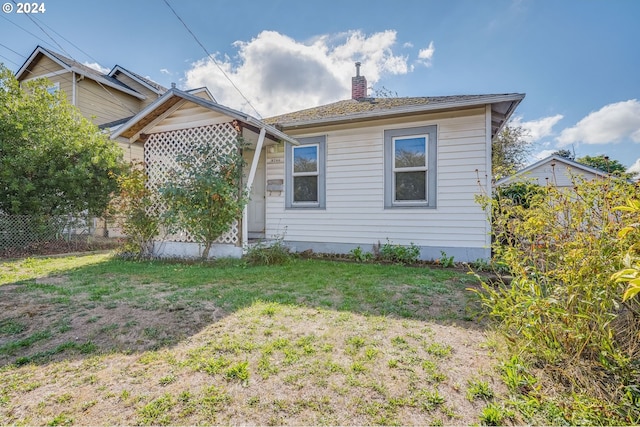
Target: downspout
(250, 178)
(488, 178)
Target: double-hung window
(410, 167)
(305, 164)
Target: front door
(256, 206)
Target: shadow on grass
(112, 305)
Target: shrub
(274, 253)
(562, 306)
(399, 254)
(136, 213)
(359, 255)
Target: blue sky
(578, 61)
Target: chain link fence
(22, 230)
(27, 234)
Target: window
(54, 88)
(410, 167)
(305, 166)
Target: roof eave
(234, 114)
(104, 81)
(36, 51)
(371, 115)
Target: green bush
(562, 307)
(360, 255)
(264, 253)
(136, 213)
(398, 253)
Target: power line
(211, 57)
(28, 15)
(117, 100)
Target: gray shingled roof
(87, 70)
(375, 107)
(151, 83)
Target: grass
(306, 342)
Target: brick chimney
(358, 85)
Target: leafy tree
(53, 161)
(510, 149)
(605, 164)
(204, 194)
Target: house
(553, 170)
(106, 99)
(349, 174)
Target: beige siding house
(553, 170)
(106, 99)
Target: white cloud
(426, 55)
(612, 123)
(635, 168)
(97, 67)
(538, 129)
(279, 74)
(165, 71)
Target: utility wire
(115, 98)
(42, 29)
(211, 57)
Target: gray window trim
(432, 173)
(320, 141)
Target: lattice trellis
(162, 149)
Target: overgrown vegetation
(53, 161)
(398, 253)
(563, 312)
(268, 253)
(136, 212)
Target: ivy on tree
(53, 161)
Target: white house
(553, 170)
(348, 174)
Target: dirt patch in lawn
(268, 364)
(39, 331)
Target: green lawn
(96, 340)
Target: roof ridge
(150, 82)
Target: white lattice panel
(162, 149)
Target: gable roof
(74, 66)
(134, 127)
(148, 83)
(553, 158)
(351, 110)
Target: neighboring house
(553, 170)
(105, 99)
(353, 173)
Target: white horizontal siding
(560, 174)
(355, 189)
